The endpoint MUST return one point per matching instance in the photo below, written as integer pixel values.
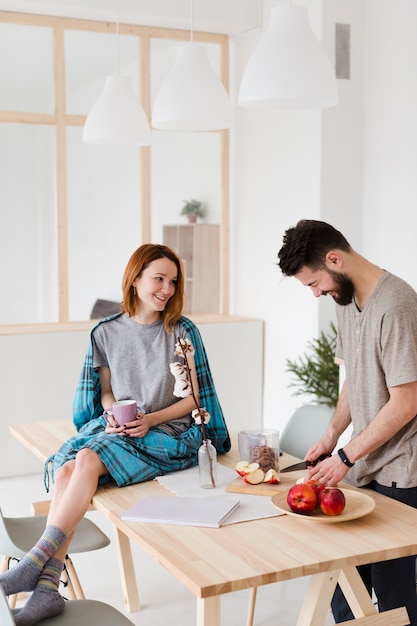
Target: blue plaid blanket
(130, 460)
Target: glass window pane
(27, 221)
(89, 58)
(27, 78)
(104, 226)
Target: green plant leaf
(193, 206)
(315, 372)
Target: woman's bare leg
(75, 485)
(76, 482)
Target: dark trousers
(393, 582)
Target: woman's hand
(139, 427)
(112, 426)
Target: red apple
(317, 486)
(332, 501)
(302, 498)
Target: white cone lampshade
(192, 97)
(117, 118)
(289, 68)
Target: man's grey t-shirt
(379, 349)
(138, 357)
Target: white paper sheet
(186, 483)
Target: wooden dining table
(211, 562)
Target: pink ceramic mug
(124, 411)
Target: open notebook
(188, 511)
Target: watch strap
(344, 458)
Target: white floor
(163, 599)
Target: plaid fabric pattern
(131, 460)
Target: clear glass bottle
(207, 463)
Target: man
(377, 340)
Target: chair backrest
(7, 546)
(305, 427)
(6, 617)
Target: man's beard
(344, 288)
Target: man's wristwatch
(344, 458)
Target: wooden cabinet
(198, 245)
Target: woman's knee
(88, 460)
(63, 474)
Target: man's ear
(334, 260)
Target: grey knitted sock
(45, 601)
(24, 576)
(42, 603)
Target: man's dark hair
(307, 244)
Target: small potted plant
(193, 209)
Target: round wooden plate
(358, 504)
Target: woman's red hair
(140, 260)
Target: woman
(128, 358)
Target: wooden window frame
(60, 120)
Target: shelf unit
(198, 246)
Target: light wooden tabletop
(211, 562)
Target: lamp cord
(192, 21)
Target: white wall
(390, 137)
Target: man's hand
(329, 472)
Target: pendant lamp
(117, 118)
(288, 68)
(192, 97)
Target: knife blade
(304, 464)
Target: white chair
(307, 424)
(76, 612)
(19, 534)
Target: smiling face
(155, 286)
(325, 282)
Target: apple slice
(254, 478)
(244, 467)
(271, 477)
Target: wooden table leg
(356, 593)
(251, 606)
(320, 592)
(317, 599)
(361, 604)
(127, 571)
(208, 611)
